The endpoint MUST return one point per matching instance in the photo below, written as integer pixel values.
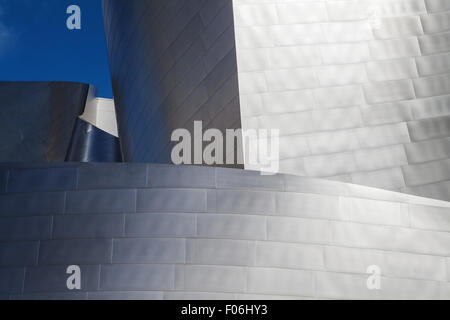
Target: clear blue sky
(35, 44)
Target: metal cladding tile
(3, 180)
(245, 202)
(32, 228)
(390, 179)
(314, 186)
(348, 10)
(428, 150)
(430, 218)
(171, 200)
(57, 296)
(221, 252)
(433, 65)
(351, 260)
(389, 91)
(160, 225)
(75, 252)
(308, 205)
(137, 277)
(88, 226)
(31, 204)
(445, 291)
(394, 48)
(281, 281)
(398, 27)
(432, 86)
(109, 176)
(376, 212)
(44, 179)
(437, 5)
(392, 70)
(185, 295)
(301, 12)
(18, 253)
(252, 180)
(126, 295)
(434, 23)
(428, 129)
(423, 242)
(53, 279)
(349, 74)
(11, 280)
(287, 255)
(387, 113)
(426, 173)
(363, 235)
(211, 9)
(160, 176)
(295, 230)
(251, 15)
(149, 251)
(101, 201)
(435, 43)
(439, 190)
(214, 278)
(231, 226)
(379, 158)
(343, 286)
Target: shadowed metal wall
(37, 119)
(90, 144)
(142, 231)
(172, 62)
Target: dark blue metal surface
(90, 144)
(37, 119)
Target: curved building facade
(37, 119)
(359, 90)
(91, 144)
(178, 232)
(172, 63)
(40, 122)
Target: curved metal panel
(90, 144)
(37, 119)
(297, 238)
(172, 63)
(359, 91)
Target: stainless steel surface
(172, 63)
(357, 90)
(37, 119)
(142, 231)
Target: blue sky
(35, 44)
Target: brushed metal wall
(360, 90)
(172, 62)
(37, 119)
(142, 231)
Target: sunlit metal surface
(142, 231)
(359, 90)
